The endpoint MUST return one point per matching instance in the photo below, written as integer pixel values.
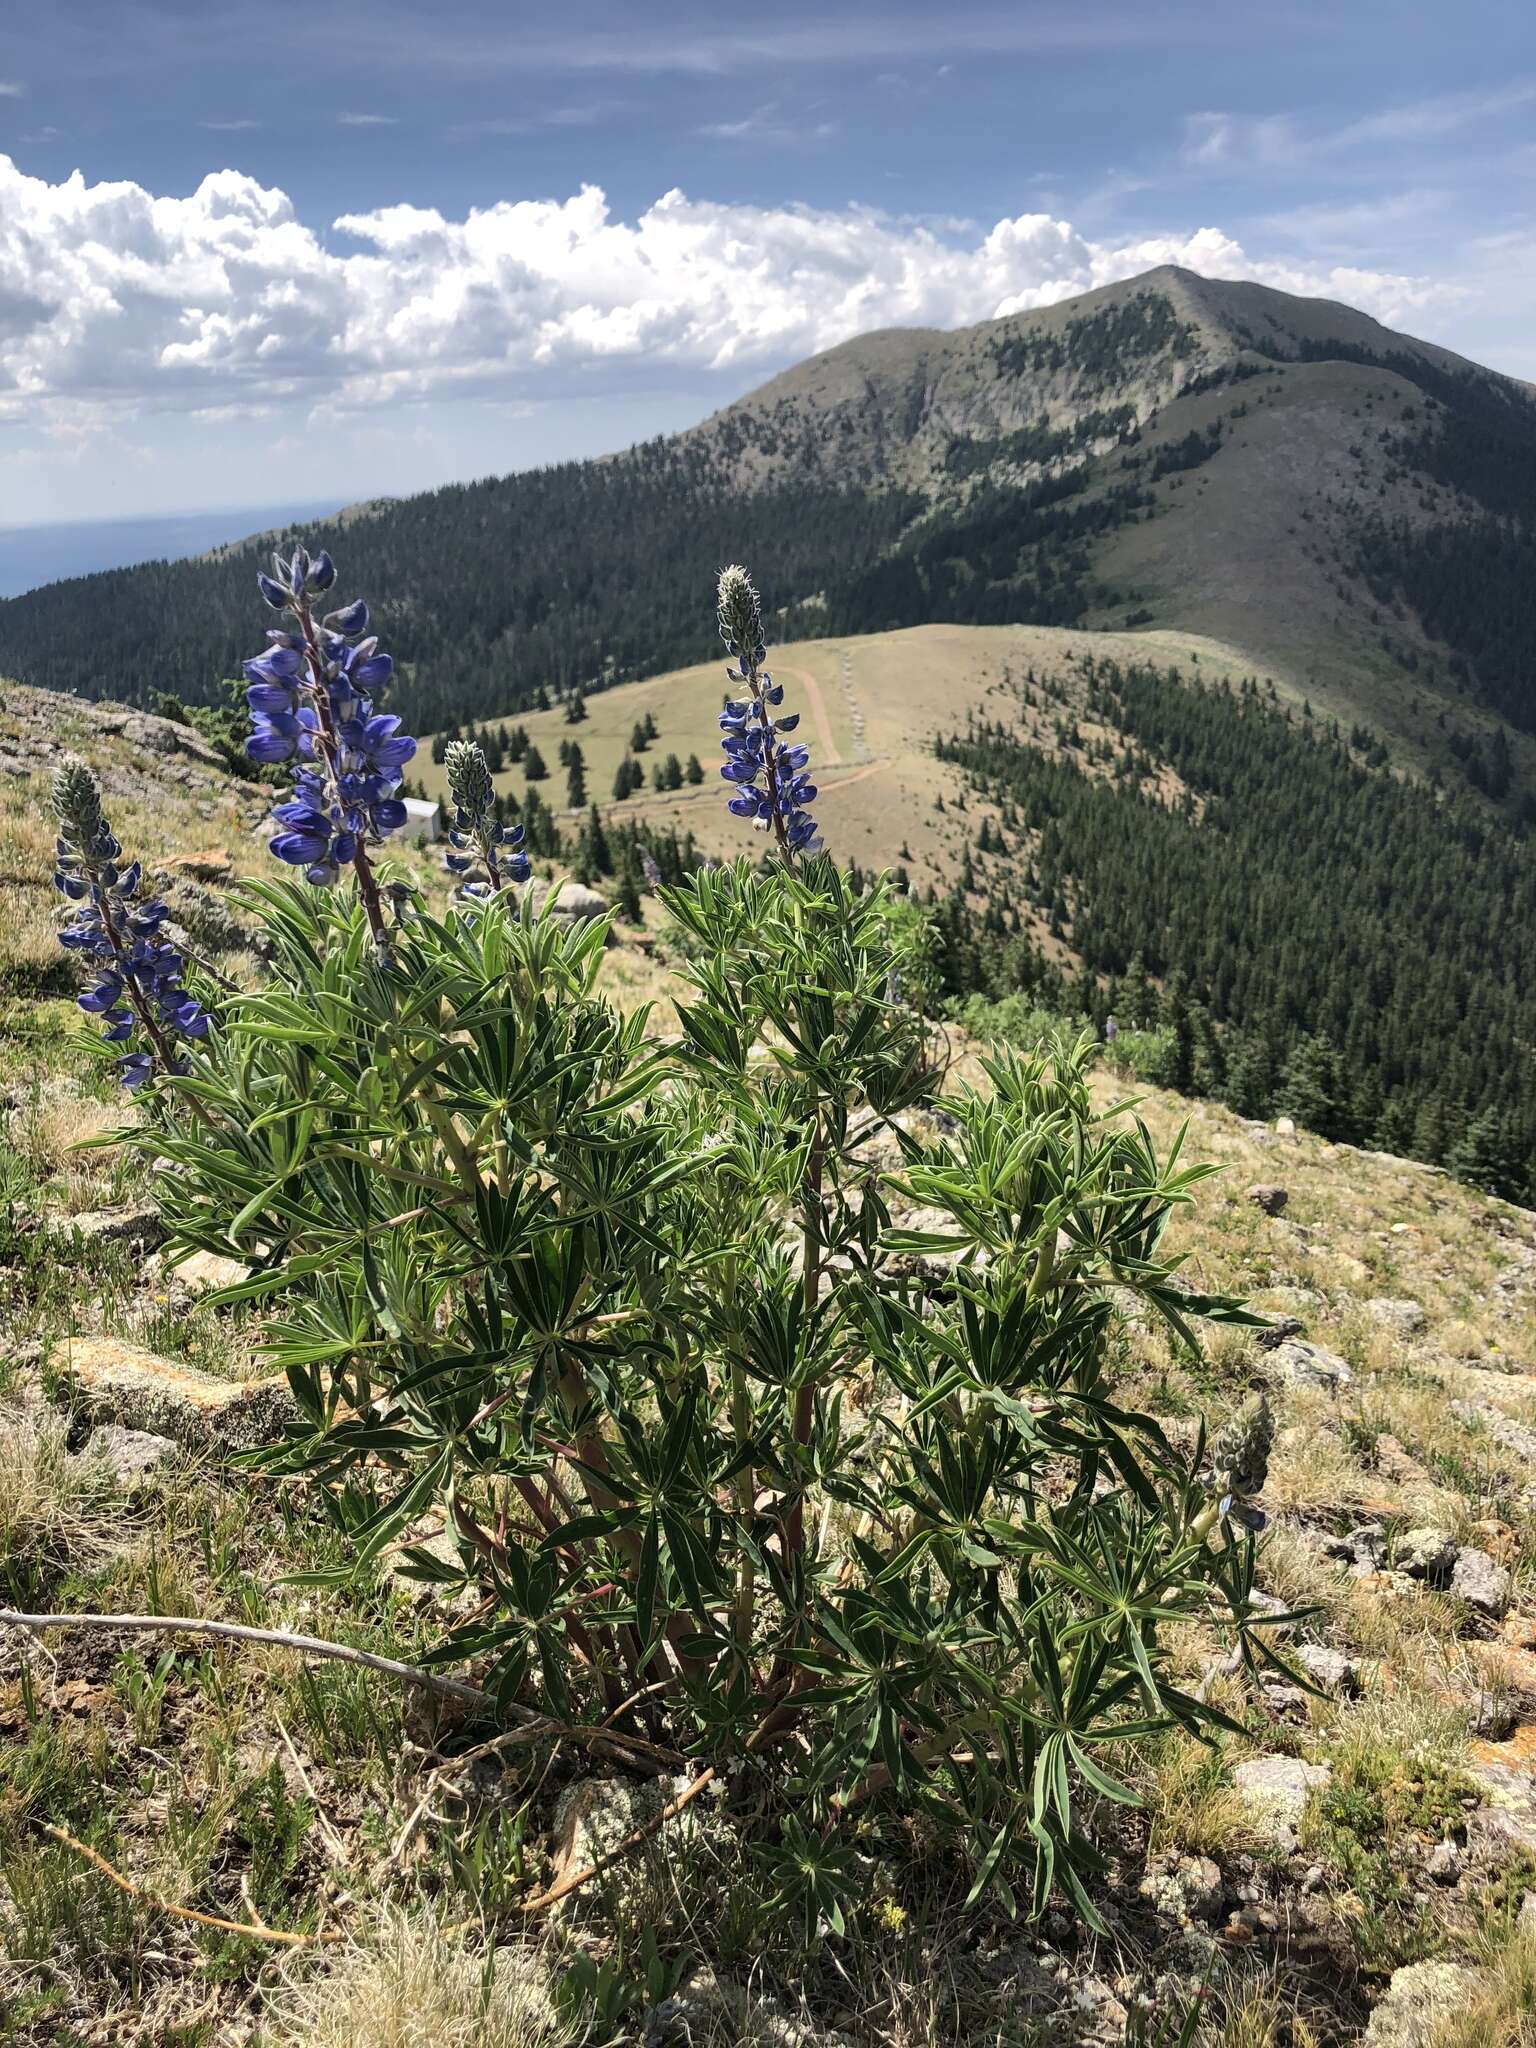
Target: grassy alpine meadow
(633, 1481)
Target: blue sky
(365, 249)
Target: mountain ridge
(1351, 507)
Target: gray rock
(1403, 1318)
(1329, 1668)
(1310, 1365)
(207, 1273)
(1298, 1298)
(139, 1227)
(1504, 1828)
(1268, 1197)
(1268, 1603)
(1445, 1862)
(1525, 1919)
(1507, 1434)
(132, 1456)
(1275, 1790)
(1285, 1127)
(1187, 1888)
(1426, 1554)
(203, 919)
(1419, 2000)
(572, 899)
(1481, 1582)
(710, 2008)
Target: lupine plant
(137, 989)
(846, 1511)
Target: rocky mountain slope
(1350, 1869)
(1349, 508)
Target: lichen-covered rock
(1365, 1546)
(137, 1226)
(109, 1381)
(1401, 1317)
(1419, 2000)
(711, 2008)
(594, 1815)
(1329, 1668)
(1481, 1583)
(1185, 1888)
(1426, 1553)
(1275, 1790)
(1504, 1828)
(1309, 1365)
(1268, 1198)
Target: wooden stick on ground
(125, 1884)
(282, 1639)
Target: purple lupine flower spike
(766, 777)
(137, 987)
(311, 696)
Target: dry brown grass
(1501, 2011)
(53, 1507)
(416, 1983)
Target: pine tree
(629, 887)
(1312, 1088)
(533, 765)
(639, 738)
(576, 709)
(597, 837)
(694, 772)
(1481, 1156)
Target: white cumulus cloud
(114, 300)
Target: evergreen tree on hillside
(533, 765)
(1312, 1088)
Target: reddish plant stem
(810, 1281)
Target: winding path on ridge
(826, 755)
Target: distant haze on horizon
(392, 254)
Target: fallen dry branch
(282, 1639)
(253, 1930)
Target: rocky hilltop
(1347, 507)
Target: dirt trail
(826, 755)
(664, 800)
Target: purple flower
(767, 779)
(137, 986)
(310, 696)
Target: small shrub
(847, 1512)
